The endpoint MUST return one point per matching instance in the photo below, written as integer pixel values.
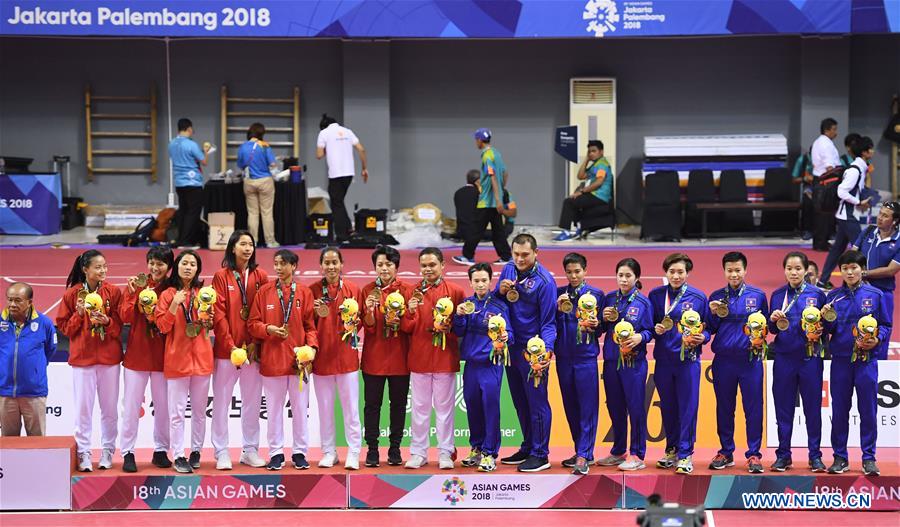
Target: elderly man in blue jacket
(27, 341)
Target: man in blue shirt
(880, 244)
(735, 365)
(483, 374)
(256, 159)
(530, 292)
(187, 162)
(27, 341)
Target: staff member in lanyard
(94, 353)
(577, 349)
(282, 318)
(27, 341)
(433, 362)
(530, 291)
(483, 374)
(144, 359)
(189, 356)
(798, 362)
(880, 244)
(256, 159)
(854, 360)
(736, 362)
(628, 324)
(677, 372)
(337, 362)
(236, 284)
(384, 355)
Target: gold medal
(141, 280)
(512, 295)
(245, 312)
(418, 295)
(192, 330)
(829, 314)
(376, 292)
(82, 294)
(468, 307)
(322, 310)
(566, 306)
(783, 323)
(667, 323)
(615, 313)
(722, 310)
(287, 330)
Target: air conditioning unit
(592, 108)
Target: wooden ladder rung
(260, 114)
(120, 134)
(274, 129)
(271, 143)
(232, 158)
(121, 152)
(260, 100)
(120, 116)
(122, 98)
(121, 170)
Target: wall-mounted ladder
(142, 108)
(289, 111)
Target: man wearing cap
(490, 207)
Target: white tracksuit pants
(197, 387)
(132, 400)
(224, 379)
(90, 383)
(276, 390)
(347, 386)
(432, 390)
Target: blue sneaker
(564, 236)
(462, 260)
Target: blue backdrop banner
(446, 18)
(30, 203)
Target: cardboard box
(317, 205)
(221, 225)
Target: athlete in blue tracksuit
(576, 363)
(534, 313)
(482, 376)
(855, 368)
(677, 372)
(734, 365)
(794, 368)
(625, 381)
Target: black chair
(600, 217)
(662, 207)
(700, 189)
(733, 189)
(778, 186)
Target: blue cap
(482, 133)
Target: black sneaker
(515, 459)
(182, 466)
(721, 461)
(128, 464)
(781, 464)
(816, 465)
(570, 462)
(394, 457)
(195, 459)
(372, 458)
(276, 463)
(534, 464)
(839, 466)
(754, 465)
(161, 459)
(870, 468)
(300, 462)
(580, 468)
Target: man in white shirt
(336, 144)
(825, 158)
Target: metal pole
(171, 202)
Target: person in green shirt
(596, 190)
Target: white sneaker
(352, 462)
(416, 461)
(84, 462)
(223, 461)
(445, 462)
(250, 458)
(106, 459)
(330, 459)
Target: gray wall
(414, 104)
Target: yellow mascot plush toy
(811, 324)
(689, 326)
(623, 331)
(586, 314)
(498, 335)
(443, 311)
(349, 311)
(93, 303)
(205, 300)
(756, 330)
(866, 329)
(536, 354)
(304, 356)
(393, 308)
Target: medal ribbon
(424, 286)
(286, 312)
(671, 307)
(188, 316)
(325, 297)
(576, 293)
(787, 309)
(241, 286)
(619, 296)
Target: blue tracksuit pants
(579, 384)
(729, 374)
(678, 384)
(481, 392)
(625, 389)
(789, 375)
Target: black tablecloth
(289, 213)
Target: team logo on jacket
(4, 326)
(529, 284)
(750, 303)
(34, 327)
(811, 302)
(270, 307)
(867, 304)
(687, 306)
(230, 287)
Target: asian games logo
(603, 16)
(454, 490)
